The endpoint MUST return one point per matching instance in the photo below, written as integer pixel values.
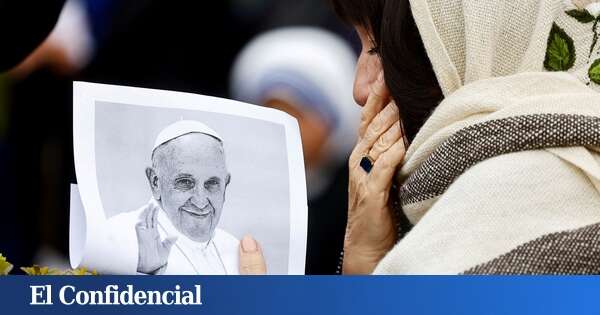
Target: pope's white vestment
(219, 256)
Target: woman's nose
(360, 91)
(367, 69)
(361, 82)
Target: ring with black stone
(366, 163)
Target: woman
(504, 176)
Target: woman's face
(367, 68)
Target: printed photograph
(172, 186)
(179, 188)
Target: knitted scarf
(504, 177)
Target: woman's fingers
(378, 98)
(385, 166)
(386, 141)
(380, 124)
(252, 261)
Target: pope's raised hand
(153, 253)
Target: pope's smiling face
(189, 178)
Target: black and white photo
(171, 189)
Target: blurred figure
(308, 73)
(19, 39)
(23, 26)
(38, 140)
(68, 48)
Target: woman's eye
(373, 51)
(184, 184)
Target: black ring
(366, 163)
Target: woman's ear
(153, 182)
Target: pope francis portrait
(176, 231)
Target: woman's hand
(371, 232)
(252, 261)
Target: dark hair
(408, 72)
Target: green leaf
(560, 53)
(594, 72)
(5, 266)
(582, 16)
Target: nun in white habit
(308, 72)
(176, 231)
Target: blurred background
(214, 48)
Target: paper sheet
(158, 193)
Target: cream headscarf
(504, 177)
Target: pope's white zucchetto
(181, 128)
